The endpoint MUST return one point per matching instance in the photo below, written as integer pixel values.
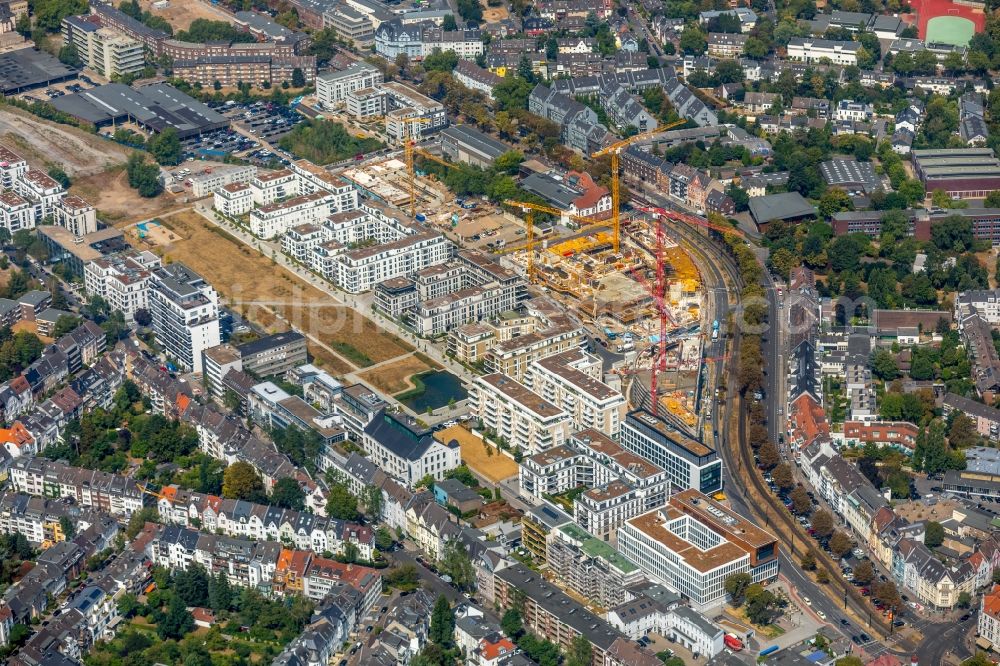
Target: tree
(241, 481)
(142, 176)
(755, 48)
(801, 502)
(887, 594)
(980, 659)
(64, 325)
(512, 624)
(962, 433)
(403, 578)
(769, 456)
(760, 604)
(992, 199)
(964, 600)
(736, 587)
(822, 577)
(849, 660)
(470, 10)
(455, 562)
(822, 523)
(782, 476)
(67, 526)
(933, 534)
(693, 41)
(442, 623)
(808, 562)
(449, 22)
(581, 652)
(143, 317)
(371, 497)
(191, 585)
(298, 78)
(898, 482)
(288, 494)
(341, 504)
(884, 365)
(840, 544)
(220, 594)
(177, 623)
(833, 201)
(165, 147)
(864, 572)
(383, 538)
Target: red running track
(928, 9)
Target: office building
(689, 464)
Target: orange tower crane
(409, 147)
(529, 210)
(614, 150)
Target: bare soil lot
(44, 143)
(110, 194)
(263, 292)
(180, 13)
(494, 468)
(395, 377)
(494, 14)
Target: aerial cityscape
(499, 332)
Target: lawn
(395, 377)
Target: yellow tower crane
(529, 210)
(409, 146)
(614, 150)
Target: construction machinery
(529, 209)
(614, 150)
(409, 147)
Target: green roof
(594, 547)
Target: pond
(433, 389)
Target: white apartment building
(407, 452)
(693, 544)
(521, 417)
(210, 181)
(104, 50)
(572, 381)
(850, 110)
(688, 463)
(299, 241)
(276, 218)
(602, 509)
(366, 103)
(233, 200)
(12, 167)
(404, 103)
(359, 270)
(266, 188)
(185, 310)
(76, 215)
(16, 212)
(989, 616)
(122, 280)
(984, 302)
(332, 88)
(466, 44)
(41, 190)
(808, 49)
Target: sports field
(951, 30)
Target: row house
(238, 518)
(111, 493)
(917, 568)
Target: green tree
(962, 433)
(512, 624)
(177, 622)
(455, 562)
(833, 201)
(801, 502)
(736, 587)
(933, 534)
(782, 476)
(67, 526)
(165, 147)
(884, 365)
(693, 41)
(241, 481)
(964, 600)
(220, 594)
(371, 497)
(340, 503)
(840, 544)
(298, 78)
(449, 22)
(442, 623)
(581, 652)
(191, 585)
(864, 572)
(64, 325)
(822, 523)
(383, 538)
(849, 660)
(898, 482)
(68, 55)
(808, 562)
(441, 61)
(288, 494)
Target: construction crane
(529, 210)
(613, 150)
(409, 146)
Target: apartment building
(76, 215)
(989, 616)
(366, 103)
(812, 50)
(591, 567)
(42, 191)
(407, 451)
(332, 88)
(986, 418)
(572, 381)
(216, 362)
(519, 416)
(404, 103)
(419, 40)
(474, 77)
(350, 25)
(122, 280)
(104, 50)
(273, 408)
(514, 356)
(275, 219)
(726, 44)
(689, 464)
(694, 544)
(185, 310)
(16, 212)
(210, 181)
(273, 354)
(103, 491)
(360, 269)
(900, 435)
(37, 518)
(233, 200)
(267, 188)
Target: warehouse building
(962, 173)
(28, 69)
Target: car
(807, 601)
(964, 618)
(899, 623)
(865, 637)
(856, 639)
(844, 622)
(821, 614)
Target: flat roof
(783, 206)
(30, 68)
(157, 107)
(521, 394)
(655, 426)
(473, 138)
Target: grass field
(263, 292)
(395, 377)
(494, 468)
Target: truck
(611, 335)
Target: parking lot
(264, 120)
(216, 144)
(82, 83)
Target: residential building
(726, 45)
(273, 354)
(123, 280)
(185, 311)
(233, 200)
(332, 88)
(590, 567)
(812, 50)
(406, 451)
(75, 215)
(210, 181)
(989, 616)
(117, 495)
(350, 25)
(694, 544)
(474, 77)
(104, 50)
(519, 416)
(572, 381)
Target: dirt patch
(267, 294)
(394, 377)
(494, 468)
(41, 142)
(494, 14)
(30, 327)
(110, 194)
(180, 13)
